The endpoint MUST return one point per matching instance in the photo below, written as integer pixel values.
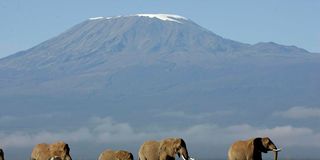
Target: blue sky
(27, 23)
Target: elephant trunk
(184, 154)
(275, 152)
(183, 157)
(275, 155)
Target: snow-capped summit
(95, 18)
(164, 17)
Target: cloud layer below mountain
(299, 112)
(106, 130)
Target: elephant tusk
(191, 158)
(276, 150)
(183, 157)
(53, 158)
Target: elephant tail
(140, 157)
(230, 154)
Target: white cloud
(299, 113)
(5, 119)
(185, 115)
(106, 130)
(99, 130)
(21, 139)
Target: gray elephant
(115, 155)
(251, 149)
(165, 149)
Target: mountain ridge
(119, 41)
(107, 59)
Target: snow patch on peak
(98, 18)
(164, 17)
(95, 18)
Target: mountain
(101, 37)
(150, 66)
(168, 53)
(144, 34)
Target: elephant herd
(165, 149)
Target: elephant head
(60, 150)
(1, 154)
(264, 145)
(173, 146)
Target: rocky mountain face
(112, 65)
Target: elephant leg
(163, 157)
(141, 157)
(166, 157)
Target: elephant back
(149, 150)
(115, 155)
(40, 151)
(124, 155)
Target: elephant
(55, 151)
(165, 149)
(1, 154)
(251, 149)
(115, 155)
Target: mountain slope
(151, 61)
(102, 37)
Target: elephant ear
(167, 147)
(181, 143)
(259, 145)
(176, 143)
(60, 149)
(66, 148)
